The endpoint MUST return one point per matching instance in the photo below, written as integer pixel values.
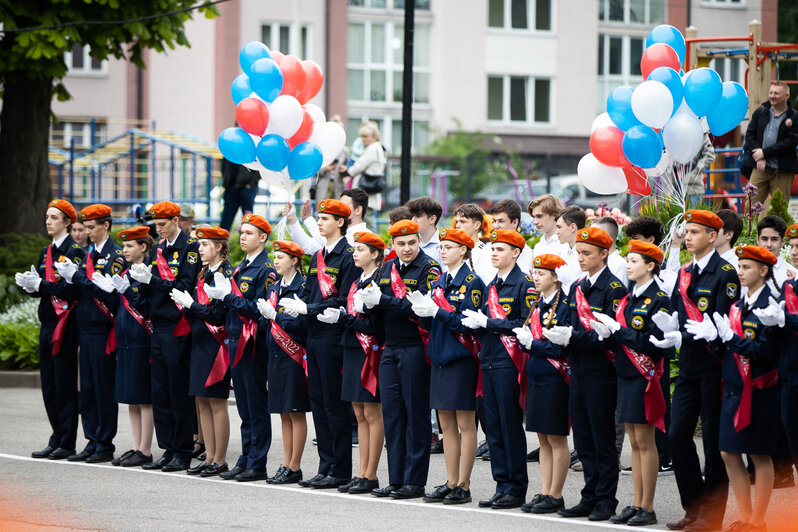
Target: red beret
(646, 248)
(370, 239)
(65, 207)
(336, 207)
(757, 253)
(291, 248)
(792, 231)
(594, 235)
(547, 261)
(215, 233)
(403, 227)
(456, 235)
(705, 218)
(258, 221)
(92, 212)
(165, 209)
(134, 233)
(508, 236)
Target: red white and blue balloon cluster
(278, 129)
(661, 121)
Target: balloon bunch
(279, 131)
(661, 121)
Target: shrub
(18, 252)
(19, 336)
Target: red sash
(249, 327)
(110, 344)
(326, 284)
(742, 418)
(400, 291)
(61, 307)
(288, 344)
(585, 314)
(653, 399)
(222, 360)
(510, 343)
(560, 364)
(369, 375)
(692, 310)
(183, 328)
(469, 341)
(790, 299)
(138, 316)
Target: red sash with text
(400, 291)
(369, 375)
(560, 364)
(510, 342)
(110, 344)
(692, 310)
(326, 283)
(288, 344)
(61, 307)
(585, 314)
(790, 299)
(183, 328)
(138, 316)
(222, 360)
(249, 328)
(469, 341)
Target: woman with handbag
(368, 172)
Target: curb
(20, 379)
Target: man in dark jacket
(240, 187)
(772, 134)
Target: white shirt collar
(251, 258)
(99, 247)
(367, 275)
(286, 281)
(453, 273)
(172, 242)
(702, 263)
(435, 240)
(553, 239)
(59, 241)
(215, 266)
(592, 278)
(547, 299)
(726, 255)
(357, 228)
(640, 288)
(330, 248)
(750, 299)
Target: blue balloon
(304, 161)
(671, 79)
(671, 36)
(266, 79)
(236, 145)
(251, 52)
(730, 111)
(619, 107)
(273, 152)
(240, 88)
(642, 146)
(702, 90)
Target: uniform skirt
(547, 409)
(132, 384)
(287, 390)
(761, 436)
(454, 386)
(631, 405)
(203, 354)
(352, 389)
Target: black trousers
(172, 407)
(98, 410)
(59, 376)
(661, 438)
(249, 377)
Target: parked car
(577, 194)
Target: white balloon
(330, 137)
(602, 120)
(285, 116)
(683, 137)
(704, 123)
(600, 178)
(316, 114)
(255, 165)
(271, 177)
(664, 163)
(652, 103)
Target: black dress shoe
(158, 464)
(702, 525)
(365, 486)
(548, 505)
(408, 492)
(486, 455)
(176, 464)
(136, 459)
(306, 482)
(98, 458)
(533, 456)
(250, 475)
(643, 518)
(60, 454)
(438, 494)
(486, 503)
(602, 512)
(230, 474)
(214, 469)
(482, 448)
(458, 496)
(328, 482)
(289, 477)
(199, 449)
(80, 457)
(385, 491)
(437, 447)
(507, 501)
(344, 488)
(580, 510)
(527, 506)
(118, 460)
(626, 514)
(44, 453)
(278, 474)
(680, 524)
(197, 469)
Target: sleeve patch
(615, 285)
(731, 290)
(476, 297)
(191, 257)
(727, 268)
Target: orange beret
(336, 207)
(134, 233)
(792, 231)
(594, 235)
(646, 248)
(487, 224)
(370, 239)
(508, 236)
(456, 235)
(65, 207)
(757, 253)
(403, 227)
(216, 233)
(165, 209)
(92, 212)
(705, 218)
(547, 261)
(258, 221)
(291, 248)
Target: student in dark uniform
(749, 412)
(58, 346)
(209, 375)
(594, 386)
(249, 359)
(175, 263)
(641, 403)
(363, 340)
(288, 380)
(404, 370)
(505, 306)
(453, 350)
(547, 384)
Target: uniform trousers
(252, 401)
(98, 410)
(59, 376)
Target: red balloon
(304, 132)
(293, 75)
(605, 144)
(276, 56)
(637, 180)
(659, 55)
(252, 115)
(313, 81)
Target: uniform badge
(749, 333)
(537, 261)
(507, 309)
(647, 301)
(530, 299)
(462, 289)
(727, 267)
(615, 305)
(244, 286)
(637, 323)
(176, 256)
(173, 270)
(703, 304)
(615, 285)
(476, 297)
(191, 257)
(116, 268)
(731, 290)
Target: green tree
(35, 36)
(788, 33)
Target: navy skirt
(132, 385)
(454, 386)
(547, 408)
(631, 405)
(352, 389)
(287, 390)
(761, 436)
(203, 354)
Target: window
(643, 12)
(79, 61)
(281, 37)
(391, 132)
(63, 131)
(618, 64)
(520, 14)
(723, 3)
(519, 99)
(388, 4)
(730, 69)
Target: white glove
(559, 335)
(601, 330)
(477, 318)
(330, 315)
(66, 269)
(266, 309)
(723, 326)
(294, 306)
(141, 273)
(565, 274)
(121, 283)
(670, 339)
(29, 280)
(423, 305)
(702, 330)
(181, 297)
(773, 314)
(103, 282)
(666, 322)
(524, 336)
(370, 295)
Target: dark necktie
(588, 284)
(448, 280)
(245, 264)
(402, 269)
(499, 284)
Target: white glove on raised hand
(524, 336)
(702, 330)
(294, 306)
(330, 315)
(222, 284)
(773, 314)
(103, 282)
(370, 295)
(666, 322)
(66, 269)
(266, 309)
(181, 297)
(670, 339)
(121, 283)
(477, 318)
(559, 335)
(601, 330)
(723, 325)
(424, 306)
(29, 280)
(142, 273)
(565, 275)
